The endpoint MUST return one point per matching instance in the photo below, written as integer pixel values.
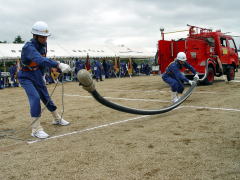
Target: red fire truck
(201, 45)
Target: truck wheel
(210, 77)
(230, 73)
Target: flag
(130, 67)
(116, 65)
(88, 67)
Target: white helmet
(40, 28)
(181, 56)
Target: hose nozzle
(86, 80)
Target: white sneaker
(40, 134)
(61, 122)
(175, 99)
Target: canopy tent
(56, 51)
(10, 51)
(101, 52)
(126, 52)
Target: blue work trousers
(35, 92)
(175, 84)
(98, 74)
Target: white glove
(196, 77)
(65, 68)
(191, 82)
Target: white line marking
(148, 91)
(134, 90)
(88, 129)
(235, 81)
(78, 95)
(212, 108)
(129, 99)
(125, 99)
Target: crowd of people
(106, 69)
(100, 70)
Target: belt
(29, 68)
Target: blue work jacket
(33, 51)
(174, 68)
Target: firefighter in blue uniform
(175, 78)
(106, 67)
(147, 69)
(97, 69)
(134, 65)
(1, 81)
(13, 72)
(79, 64)
(30, 75)
(123, 69)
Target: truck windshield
(231, 44)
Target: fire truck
(203, 47)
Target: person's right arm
(32, 54)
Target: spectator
(106, 68)
(147, 69)
(123, 69)
(1, 80)
(97, 70)
(135, 69)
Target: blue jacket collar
(42, 48)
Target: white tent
(100, 52)
(10, 51)
(56, 51)
(126, 52)
(74, 51)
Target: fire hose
(206, 71)
(86, 81)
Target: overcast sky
(134, 23)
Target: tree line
(17, 40)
